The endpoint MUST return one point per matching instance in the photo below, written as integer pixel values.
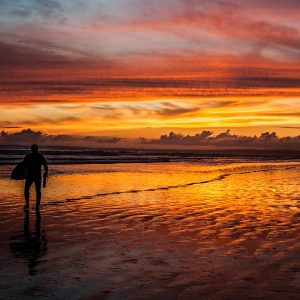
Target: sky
(143, 68)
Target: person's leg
(38, 184)
(28, 184)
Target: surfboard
(19, 172)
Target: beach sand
(154, 231)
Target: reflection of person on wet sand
(30, 245)
(33, 163)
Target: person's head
(34, 148)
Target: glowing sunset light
(120, 67)
(150, 149)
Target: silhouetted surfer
(33, 163)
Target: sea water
(154, 231)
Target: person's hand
(45, 179)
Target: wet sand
(154, 231)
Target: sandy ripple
(232, 235)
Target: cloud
(126, 28)
(77, 88)
(205, 139)
(96, 51)
(20, 56)
(43, 53)
(234, 26)
(28, 136)
(34, 10)
(86, 117)
(244, 28)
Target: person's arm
(45, 172)
(45, 167)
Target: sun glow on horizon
(111, 67)
(129, 116)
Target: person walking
(33, 163)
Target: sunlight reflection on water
(156, 230)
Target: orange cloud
(152, 64)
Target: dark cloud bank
(228, 140)
(203, 140)
(28, 136)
